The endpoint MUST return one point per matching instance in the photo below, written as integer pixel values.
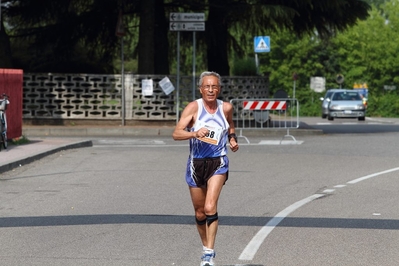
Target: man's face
(210, 88)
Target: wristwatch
(232, 135)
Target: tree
(60, 36)
(256, 17)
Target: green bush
(19, 141)
(244, 67)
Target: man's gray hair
(206, 74)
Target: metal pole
(123, 84)
(178, 78)
(257, 63)
(193, 65)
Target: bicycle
(3, 120)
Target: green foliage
(244, 67)
(364, 53)
(130, 66)
(309, 102)
(19, 141)
(386, 105)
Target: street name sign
(187, 17)
(187, 26)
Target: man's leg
(215, 185)
(198, 199)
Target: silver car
(326, 102)
(344, 104)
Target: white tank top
(218, 127)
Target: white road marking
(372, 175)
(340, 186)
(253, 246)
(278, 142)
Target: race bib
(214, 135)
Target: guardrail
(265, 114)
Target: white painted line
(278, 142)
(253, 246)
(372, 175)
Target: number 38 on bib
(213, 136)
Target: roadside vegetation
(19, 141)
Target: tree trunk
(161, 44)
(153, 38)
(146, 37)
(217, 32)
(5, 49)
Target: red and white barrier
(265, 114)
(264, 105)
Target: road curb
(39, 155)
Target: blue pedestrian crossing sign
(262, 44)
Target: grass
(19, 141)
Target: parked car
(325, 102)
(344, 103)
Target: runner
(207, 123)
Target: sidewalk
(96, 131)
(17, 155)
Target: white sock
(208, 250)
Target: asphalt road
(325, 200)
(351, 125)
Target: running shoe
(207, 259)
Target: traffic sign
(340, 79)
(187, 16)
(262, 44)
(187, 26)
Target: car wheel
(330, 118)
(362, 118)
(323, 116)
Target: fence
(266, 114)
(60, 97)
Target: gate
(265, 114)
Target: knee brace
(211, 218)
(200, 222)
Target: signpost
(120, 32)
(185, 22)
(261, 45)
